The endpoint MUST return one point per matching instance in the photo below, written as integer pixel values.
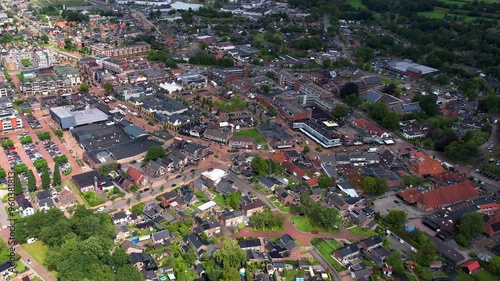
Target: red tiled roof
(134, 174)
(369, 126)
(411, 196)
(427, 165)
(471, 265)
(448, 194)
(292, 168)
(279, 157)
(312, 181)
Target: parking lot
(391, 202)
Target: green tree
(128, 273)
(396, 218)
(31, 181)
(3, 173)
(154, 153)
(325, 181)
(340, 111)
(108, 88)
(495, 265)
(138, 208)
(44, 135)
(56, 176)
(374, 186)
(59, 133)
(396, 262)
(230, 274)
(426, 253)
(44, 38)
(306, 150)
(191, 256)
(18, 187)
(469, 226)
(230, 254)
(45, 177)
(259, 166)
(391, 121)
(233, 199)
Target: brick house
(139, 178)
(252, 208)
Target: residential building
(119, 217)
(221, 135)
(233, 218)
(160, 237)
(25, 206)
(120, 51)
(322, 133)
(44, 58)
(50, 81)
(347, 253)
(143, 261)
(276, 135)
(288, 107)
(155, 169)
(10, 120)
(211, 227)
(45, 204)
(138, 177)
(250, 244)
(241, 142)
(252, 208)
(92, 181)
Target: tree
(340, 111)
(267, 220)
(45, 177)
(154, 153)
(259, 166)
(391, 121)
(230, 254)
(396, 218)
(108, 88)
(56, 176)
(495, 265)
(306, 150)
(396, 262)
(325, 181)
(43, 135)
(426, 253)
(349, 89)
(31, 181)
(233, 199)
(374, 186)
(265, 88)
(230, 274)
(3, 173)
(44, 38)
(191, 256)
(18, 187)
(84, 87)
(469, 226)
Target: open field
(454, 2)
(303, 224)
(357, 4)
(257, 137)
(439, 15)
(68, 3)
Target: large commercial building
(410, 68)
(51, 80)
(120, 51)
(67, 119)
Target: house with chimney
(92, 181)
(252, 208)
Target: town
(249, 140)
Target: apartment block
(120, 51)
(52, 80)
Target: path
(35, 266)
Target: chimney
(95, 183)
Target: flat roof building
(67, 119)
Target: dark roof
(119, 215)
(161, 235)
(5, 266)
(348, 250)
(372, 241)
(195, 240)
(43, 194)
(249, 243)
(233, 214)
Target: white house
(119, 217)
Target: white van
(31, 240)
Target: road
(317, 256)
(247, 188)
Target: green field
(302, 223)
(68, 3)
(281, 207)
(361, 232)
(253, 133)
(326, 249)
(439, 15)
(357, 4)
(454, 2)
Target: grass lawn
(411, 277)
(258, 138)
(387, 81)
(485, 275)
(68, 3)
(37, 250)
(92, 198)
(357, 4)
(361, 232)
(302, 223)
(326, 249)
(281, 207)
(259, 37)
(219, 200)
(453, 2)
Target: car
(396, 201)
(314, 232)
(193, 170)
(145, 189)
(28, 261)
(178, 176)
(100, 209)
(174, 185)
(31, 240)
